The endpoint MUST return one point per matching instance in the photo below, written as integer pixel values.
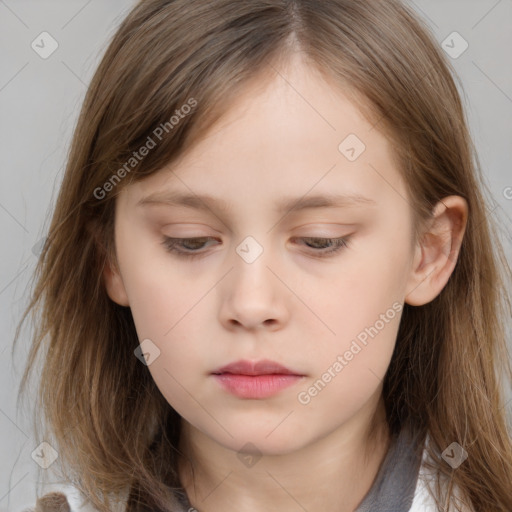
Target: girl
(270, 280)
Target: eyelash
(171, 245)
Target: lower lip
(256, 386)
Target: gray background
(40, 101)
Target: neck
(332, 474)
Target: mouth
(264, 367)
(256, 380)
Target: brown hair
(113, 427)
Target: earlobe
(436, 255)
(114, 284)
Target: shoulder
(68, 498)
(61, 499)
(423, 500)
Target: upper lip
(263, 367)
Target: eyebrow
(207, 202)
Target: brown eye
(186, 247)
(324, 246)
(192, 247)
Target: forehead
(289, 133)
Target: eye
(190, 247)
(175, 245)
(326, 246)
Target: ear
(437, 252)
(114, 283)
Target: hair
(114, 429)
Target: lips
(264, 367)
(258, 380)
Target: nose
(253, 295)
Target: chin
(260, 439)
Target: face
(281, 265)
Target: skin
(289, 305)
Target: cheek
(361, 307)
(171, 319)
(167, 310)
(154, 304)
(365, 283)
(155, 290)
(350, 366)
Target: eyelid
(319, 230)
(341, 242)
